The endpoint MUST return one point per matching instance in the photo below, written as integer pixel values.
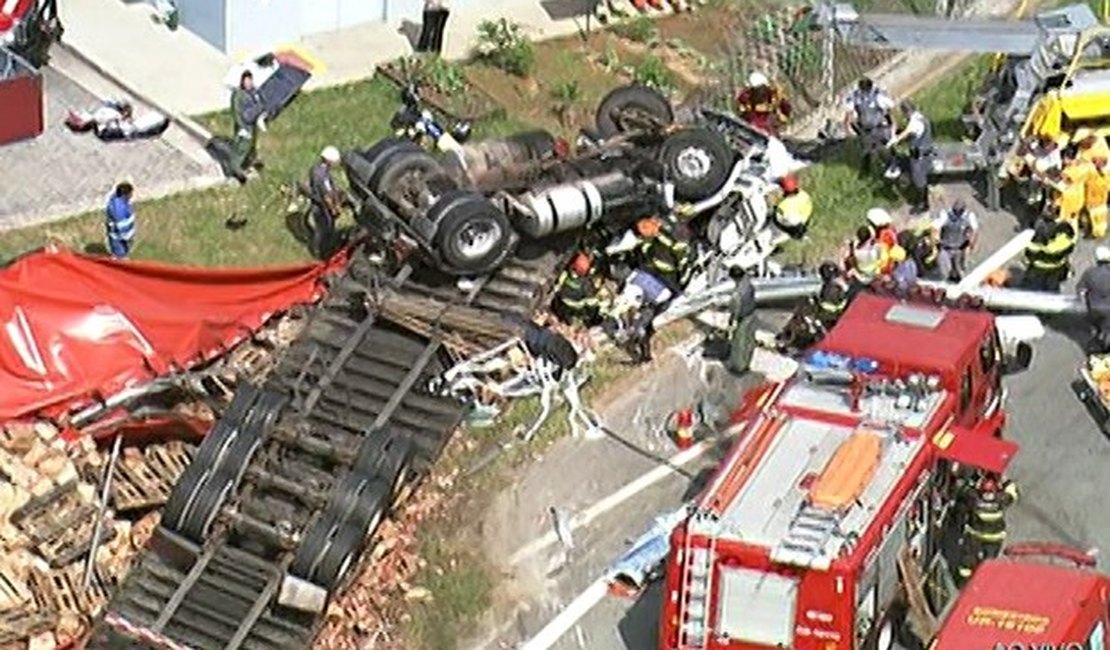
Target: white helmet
(879, 217)
(330, 154)
(1102, 254)
(757, 79)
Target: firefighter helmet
(758, 79)
(879, 217)
(581, 264)
(988, 484)
(789, 184)
(828, 271)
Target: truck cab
(1028, 598)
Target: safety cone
(684, 428)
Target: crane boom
(983, 35)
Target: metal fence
(783, 40)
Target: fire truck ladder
(697, 586)
(809, 535)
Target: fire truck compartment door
(757, 607)
(977, 449)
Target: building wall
(258, 25)
(205, 18)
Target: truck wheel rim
(477, 239)
(693, 162)
(886, 636)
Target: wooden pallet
(61, 590)
(46, 517)
(24, 622)
(145, 481)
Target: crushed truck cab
(842, 478)
(1020, 601)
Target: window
(965, 391)
(1098, 638)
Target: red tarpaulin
(77, 327)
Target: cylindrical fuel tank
(571, 205)
(482, 158)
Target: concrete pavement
(184, 74)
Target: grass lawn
(189, 228)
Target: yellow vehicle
(1081, 98)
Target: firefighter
(741, 322)
(579, 293)
(793, 210)
(881, 226)
(1094, 288)
(918, 133)
(1097, 193)
(833, 297)
(957, 229)
(868, 115)
(1072, 189)
(1045, 162)
(985, 530)
(664, 254)
(327, 202)
(1047, 256)
(1090, 145)
(763, 104)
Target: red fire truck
(841, 475)
(1017, 601)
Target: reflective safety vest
(868, 259)
(869, 113)
(1052, 255)
(988, 518)
(956, 232)
(665, 254)
(794, 210)
(922, 144)
(758, 101)
(576, 292)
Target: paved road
(61, 173)
(1063, 460)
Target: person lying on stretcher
(116, 120)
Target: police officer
(741, 322)
(578, 293)
(1094, 288)
(663, 252)
(763, 104)
(1048, 256)
(248, 112)
(794, 209)
(868, 115)
(918, 133)
(957, 229)
(985, 530)
(327, 202)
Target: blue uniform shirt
(120, 219)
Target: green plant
(566, 96)
(639, 29)
(502, 44)
(654, 73)
(609, 59)
(445, 76)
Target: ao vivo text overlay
(1018, 646)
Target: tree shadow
(220, 148)
(96, 249)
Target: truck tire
(386, 461)
(361, 167)
(634, 98)
(698, 162)
(396, 166)
(539, 144)
(348, 542)
(196, 475)
(313, 546)
(472, 235)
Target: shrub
(653, 72)
(566, 96)
(639, 29)
(433, 72)
(502, 44)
